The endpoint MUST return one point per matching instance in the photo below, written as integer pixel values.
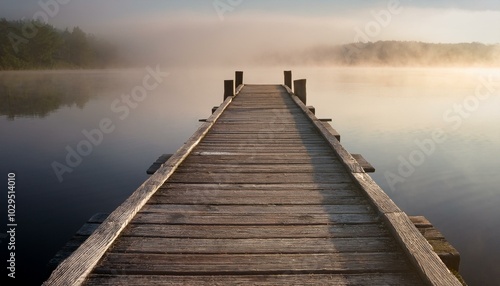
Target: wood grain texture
(162, 245)
(432, 269)
(374, 279)
(367, 167)
(255, 264)
(262, 189)
(253, 219)
(74, 269)
(255, 231)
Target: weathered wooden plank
(258, 168)
(255, 231)
(253, 219)
(420, 251)
(215, 196)
(74, 269)
(334, 188)
(320, 223)
(256, 158)
(261, 178)
(286, 148)
(367, 167)
(252, 245)
(378, 197)
(157, 164)
(252, 264)
(264, 138)
(446, 252)
(420, 222)
(374, 279)
(267, 134)
(66, 251)
(256, 209)
(345, 156)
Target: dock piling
(299, 88)
(238, 75)
(288, 78)
(228, 88)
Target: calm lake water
(383, 113)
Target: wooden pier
(263, 193)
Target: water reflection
(38, 94)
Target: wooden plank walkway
(262, 194)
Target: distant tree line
(393, 53)
(397, 53)
(37, 45)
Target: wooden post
(299, 88)
(239, 78)
(288, 79)
(228, 88)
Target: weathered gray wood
(261, 178)
(378, 197)
(238, 78)
(345, 156)
(213, 221)
(228, 88)
(157, 164)
(367, 167)
(257, 209)
(332, 131)
(253, 245)
(255, 231)
(214, 197)
(300, 90)
(276, 149)
(259, 168)
(446, 252)
(80, 236)
(432, 269)
(256, 158)
(288, 78)
(374, 279)
(98, 218)
(254, 219)
(74, 269)
(253, 264)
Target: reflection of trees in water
(38, 95)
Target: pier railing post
(228, 88)
(299, 88)
(288, 79)
(238, 75)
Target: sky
(226, 30)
